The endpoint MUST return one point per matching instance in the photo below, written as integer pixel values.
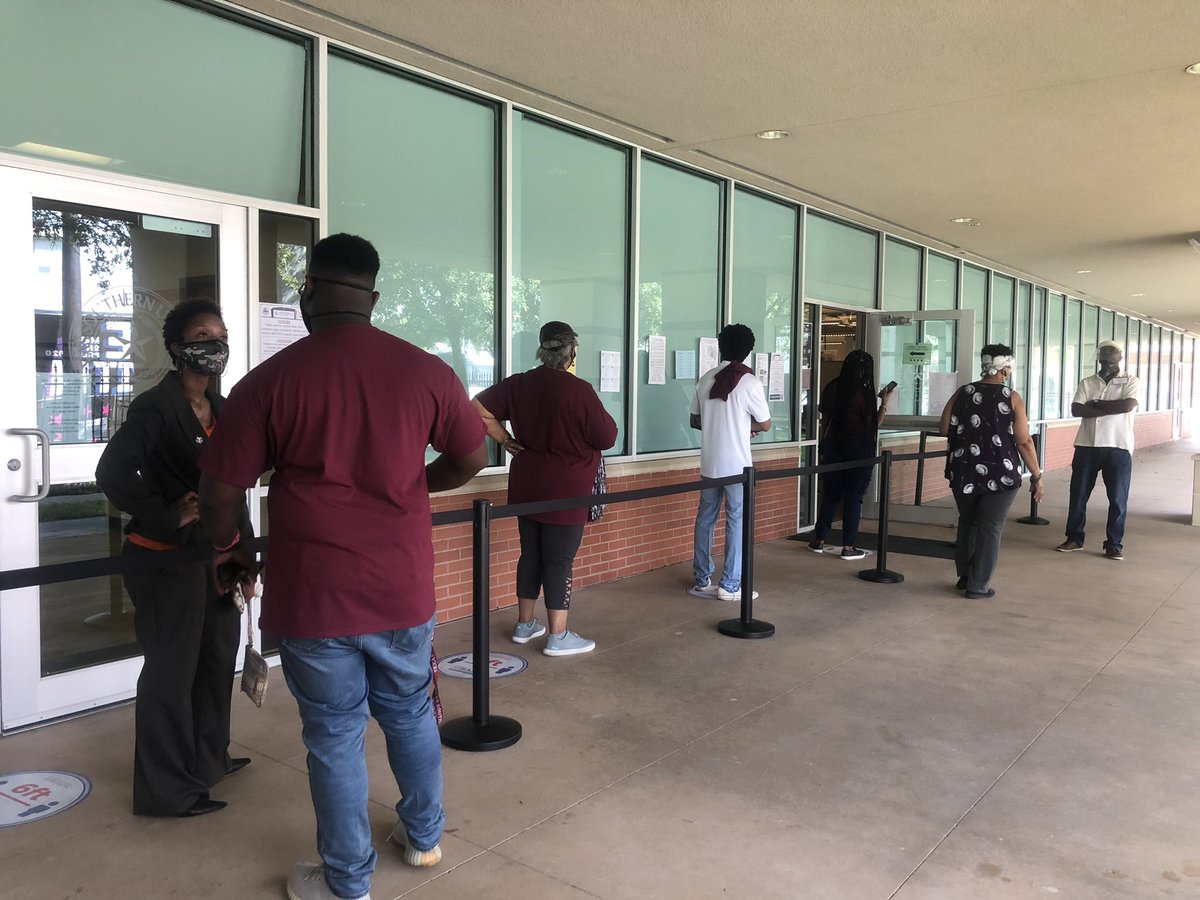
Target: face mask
(1109, 368)
(205, 357)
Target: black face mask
(205, 357)
(308, 317)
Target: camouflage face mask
(206, 357)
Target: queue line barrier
(482, 731)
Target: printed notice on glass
(942, 386)
(685, 365)
(279, 326)
(761, 367)
(610, 371)
(710, 355)
(775, 382)
(656, 370)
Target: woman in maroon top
(560, 427)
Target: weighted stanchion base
(466, 734)
(1033, 520)
(887, 576)
(752, 629)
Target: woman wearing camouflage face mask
(187, 632)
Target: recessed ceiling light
(1137, 295)
(965, 220)
(1193, 69)
(773, 134)
(1083, 271)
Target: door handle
(44, 440)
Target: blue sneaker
(527, 631)
(567, 644)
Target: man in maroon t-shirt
(344, 418)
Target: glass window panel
(422, 189)
(284, 243)
(1162, 341)
(1121, 336)
(1189, 374)
(941, 290)
(901, 275)
(1037, 329)
(1107, 327)
(808, 397)
(1088, 340)
(1070, 354)
(1000, 310)
(679, 296)
(974, 297)
(569, 249)
(764, 277)
(839, 262)
(160, 90)
(1146, 367)
(1020, 343)
(1054, 356)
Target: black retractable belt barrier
(1033, 518)
(881, 574)
(480, 731)
(747, 626)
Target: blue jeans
(1116, 465)
(337, 682)
(706, 523)
(844, 487)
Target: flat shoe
(203, 807)
(981, 595)
(237, 764)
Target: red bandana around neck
(727, 380)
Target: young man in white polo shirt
(728, 408)
(1104, 445)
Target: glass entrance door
(90, 271)
(929, 354)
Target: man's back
(725, 424)
(344, 418)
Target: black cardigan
(152, 461)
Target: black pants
(980, 523)
(547, 561)
(189, 635)
(844, 487)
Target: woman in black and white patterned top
(988, 434)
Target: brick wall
(631, 538)
(1148, 429)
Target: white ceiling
(1067, 127)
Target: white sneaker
(733, 596)
(708, 592)
(422, 859)
(307, 882)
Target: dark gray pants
(980, 523)
(189, 635)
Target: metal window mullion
(322, 132)
(633, 305)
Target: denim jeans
(844, 487)
(706, 523)
(980, 523)
(1116, 465)
(337, 682)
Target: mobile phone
(891, 386)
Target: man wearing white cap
(1104, 446)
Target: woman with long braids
(188, 632)
(850, 419)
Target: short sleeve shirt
(1114, 430)
(725, 424)
(344, 418)
(560, 421)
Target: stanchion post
(480, 731)
(1033, 518)
(920, 491)
(746, 626)
(881, 574)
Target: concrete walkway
(889, 741)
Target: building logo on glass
(30, 796)
(128, 323)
